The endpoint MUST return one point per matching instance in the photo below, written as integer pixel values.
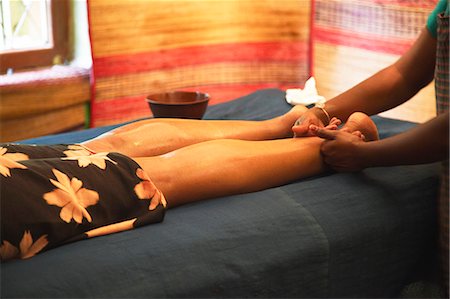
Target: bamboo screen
(353, 39)
(226, 48)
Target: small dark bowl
(178, 104)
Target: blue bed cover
(358, 235)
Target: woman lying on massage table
(51, 195)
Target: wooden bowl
(178, 104)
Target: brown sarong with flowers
(52, 195)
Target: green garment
(432, 19)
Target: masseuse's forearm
(424, 144)
(391, 86)
(383, 91)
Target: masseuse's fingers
(341, 150)
(335, 121)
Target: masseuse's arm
(386, 89)
(423, 144)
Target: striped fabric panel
(353, 39)
(191, 56)
(227, 48)
(134, 107)
(442, 67)
(139, 26)
(426, 4)
(373, 25)
(443, 99)
(142, 83)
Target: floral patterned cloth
(52, 195)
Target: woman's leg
(159, 136)
(225, 167)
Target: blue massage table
(359, 235)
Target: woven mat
(354, 39)
(227, 48)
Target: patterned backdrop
(353, 39)
(227, 48)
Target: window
(33, 33)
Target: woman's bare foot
(361, 125)
(287, 120)
(295, 113)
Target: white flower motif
(147, 190)
(9, 160)
(27, 248)
(71, 198)
(76, 151)
(98, 160)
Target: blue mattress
(359, 235)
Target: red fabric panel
(268, 51)
(227, 56)
(408, 3)
(136, 107)
(373, 42)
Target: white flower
(27, 248)
(98, 160)
(71, 198)
(76, 150)
(147, 190)
(8, 161)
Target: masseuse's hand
(313, 117)
(342, 151)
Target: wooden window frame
(41, 57)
